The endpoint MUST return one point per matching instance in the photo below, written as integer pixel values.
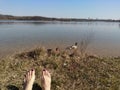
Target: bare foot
(46, 80)
(29, 80)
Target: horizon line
(59, 17)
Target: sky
(101, 9)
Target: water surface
(103, 37)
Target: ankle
(28, 86)
(46, 88)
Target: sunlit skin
(30, 78)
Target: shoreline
(9, 51)
(42, 18)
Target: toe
(48, 73)
(33, 72)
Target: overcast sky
(102, 9)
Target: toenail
(44, 70)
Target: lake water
(103, 37)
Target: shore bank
(70, 70)
(91, 49)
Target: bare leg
(29, 80)
(46, 80)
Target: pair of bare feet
(30, 78)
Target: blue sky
(103, 9)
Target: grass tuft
(69, 72)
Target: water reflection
(119, 25)
(23, 22)
(100, 36)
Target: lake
(103, 38)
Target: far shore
(42, 18)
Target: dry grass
(68, 72)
